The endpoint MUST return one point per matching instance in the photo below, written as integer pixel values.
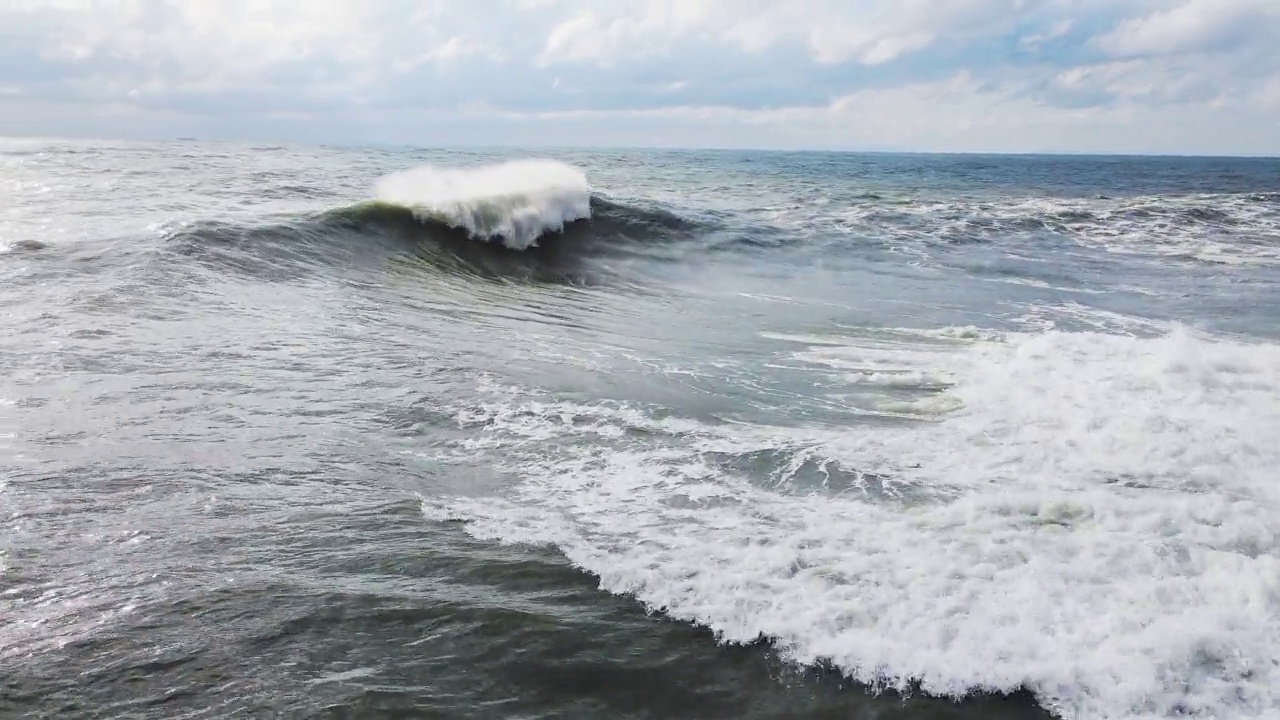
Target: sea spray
(514, 203)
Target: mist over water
(368, 432)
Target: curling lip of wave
(514, 202)
(322, 232)
(370, 231)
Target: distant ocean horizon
(387, 431)
(425, 145)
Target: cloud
(1195, 26)
(1071, 75)
(1035, 42)
(589, 36)
(580, 38)
(455, 48)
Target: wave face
(513, 203)
(369, 234)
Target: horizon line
(373, 144)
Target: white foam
(1098, 522)
(1224, 228)
(900, 378)
(1051, 316)
(513, 202)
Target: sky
(1077, 76)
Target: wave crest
(513, 203)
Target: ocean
(330, 432)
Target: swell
(370, 234)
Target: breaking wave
(487, 239)
(513, 203)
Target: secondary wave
(1221, 229)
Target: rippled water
(769, 435)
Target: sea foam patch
(1097, 522)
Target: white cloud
(1268, 97)
(840, 43)
(591, 37)
(455, 48)
(581, 38)
(958, 113)
(1035, 41)
(880, 32)
(221, 41)
(870, 31)
(1193, 26)
(753, 34)
(959, 74)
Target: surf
(1092, 523)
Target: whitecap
(514, 202)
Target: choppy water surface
(304, 432)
